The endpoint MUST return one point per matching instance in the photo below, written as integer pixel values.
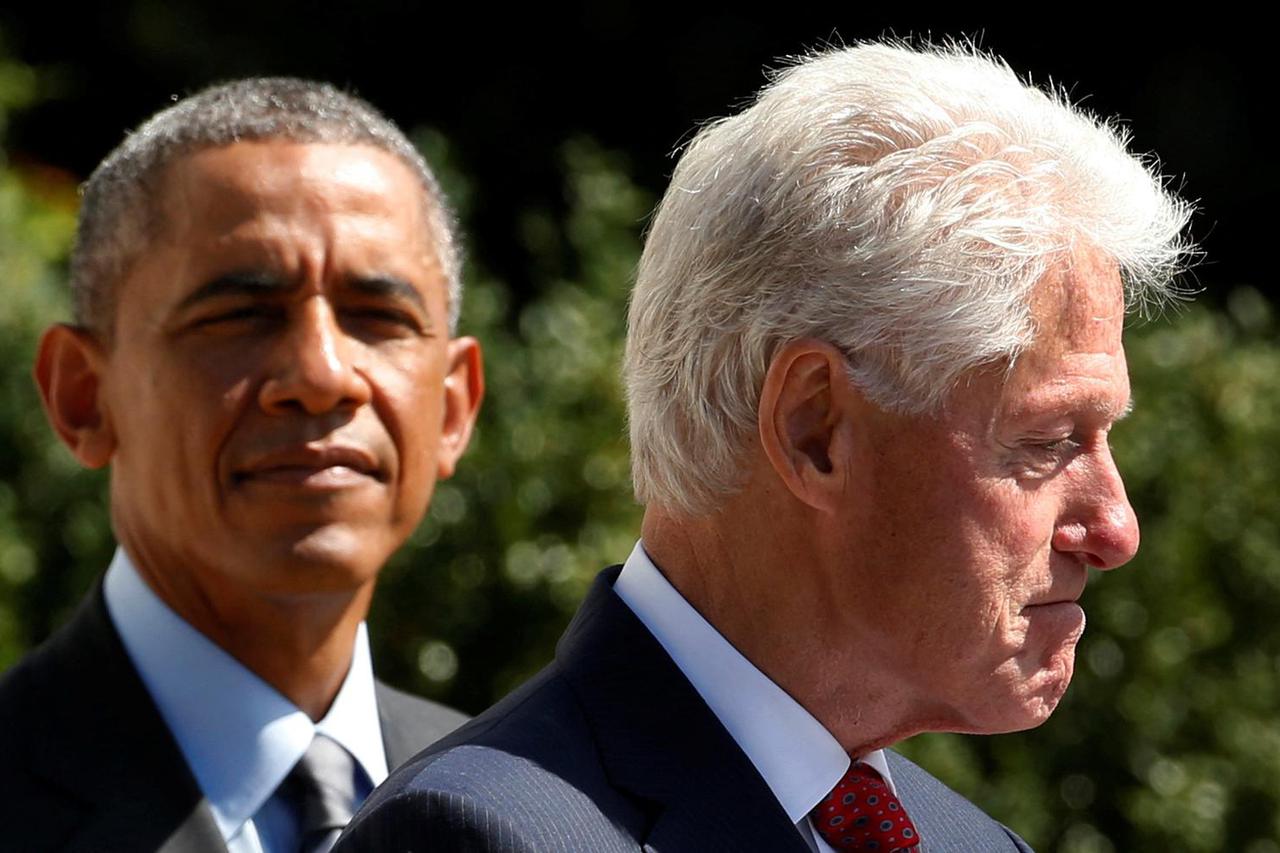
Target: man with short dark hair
(873, 356)
(265, 283)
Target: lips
(1067, 590)
(323, 467)
(1051, 601)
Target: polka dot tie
(861, 813)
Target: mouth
(1063, 592)
(312, 467)
(1054, 602)
(1063, 617)
(1064, 604)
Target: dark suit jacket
(611, 749)
(87, 763)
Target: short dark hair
(118, 211)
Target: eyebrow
(235, 284)
(1100, 408)
(385, 285)
(1094, 405)
(262, 283)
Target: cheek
(1021, 524)
(999, 547)
(215, 362)
(410, 399)
(1010, 532)
(419, 443)
(171, 406)
(924, 536)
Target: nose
(313, 370)
(1100, 528)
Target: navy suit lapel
(100, 739)
(659, 741)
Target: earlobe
(463, 391)
(800, 416)
(68, 372)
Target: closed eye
(253, 312)
(1039, 459)
(383, 316)
(1059, 446)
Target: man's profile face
(978, 526)
(282, 389)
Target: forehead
(1078, 303)
(219, 187)
(301, 214)
(1077, 358)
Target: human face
(281, 390)
(978, 526)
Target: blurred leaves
(53, 528)
(1169, 739)
(541, 502)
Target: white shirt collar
(798, 758)
(239, 735)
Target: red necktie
(861, 813)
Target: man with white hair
(873, 359)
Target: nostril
(1106, 543)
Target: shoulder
(73, 713)
(35, 699)
(525, 775)
(948, 821)
(16, 688)
(21, 697)
(39, 690)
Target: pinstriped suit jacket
(610, 749)
(87, 764)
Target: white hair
(899, 204)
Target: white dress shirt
(239, 735)
(799, 760)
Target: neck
(757, 576)
(301, 647)
(299, 644)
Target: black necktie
(321, 792)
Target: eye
(233, 316)
(1043, 457)
(387, 314)
(383, 319)
(1059, 446)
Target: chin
(1020, 697)
(324, 561)
(1046, 688)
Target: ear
(463, 390)
(803, 420)
(70, 365)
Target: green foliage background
(1168, 739)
